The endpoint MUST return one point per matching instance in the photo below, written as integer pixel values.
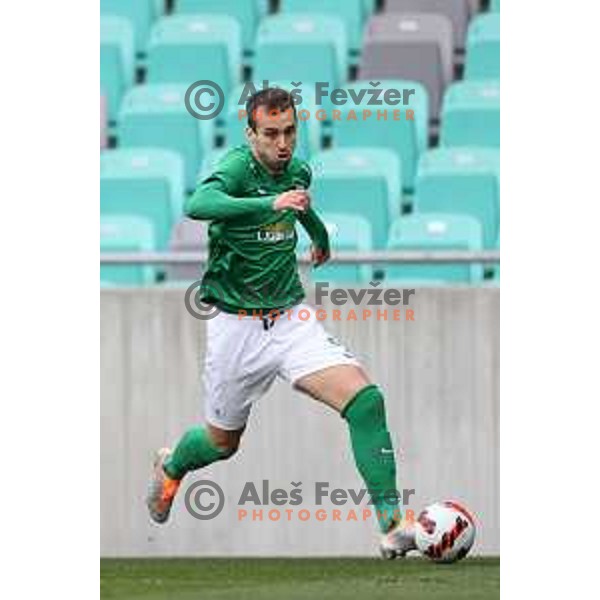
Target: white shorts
(244, 356)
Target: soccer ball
(445, 532)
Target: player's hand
(319, 256)
(294, 199)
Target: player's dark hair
(273, 100)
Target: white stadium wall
(440, 376)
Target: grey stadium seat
(187, 236)
(416, 47)
(457, 11)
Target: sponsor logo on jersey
(278, 232)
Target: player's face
(274, 140)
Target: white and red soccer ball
(445, 532)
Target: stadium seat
(187, 236)
(413, 47)
(144, 182)
(309, 129)
(462, 181)
(369, 7)
(103, 122)
(456, 10)
(247, 13)
(351, 11)
(139, 13)
(433, 231)
(471, 114)
(184, 49)
(126, 233)
(301, 48)
(359, 181)
(483, 48)
(346, 233)
(155, 116)
(405, 137)
(496, 275)
(495, 5)
(116, 61)
(407, 281)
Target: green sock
(194, 451)
(373, 451)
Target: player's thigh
(334, 386)
(237, 371)
(317, 363)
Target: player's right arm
(211, 201)
(221, 196)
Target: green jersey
(252, 247)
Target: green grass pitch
(282, 579)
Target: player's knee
(228, 450)
(227, 442)
(367, 406)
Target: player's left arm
(313, 225)
(318, 234)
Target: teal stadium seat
(496, 275)
(247, 13)
(301, 48)
(188, 48)
(139, 13)
(411, 282)
(103, 122)
(407, 138)
(483, 48)
(155, 116)
(462, 181)
(435, 231)
(351, 11)
(116, 61)
(359, 181)
(369, 7)
(495, 6)
(126, 233)
(309, 129)
(144, 182)
(471, 114)
(346, 233)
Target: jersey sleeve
(220, 195)
(230, 173)
(310, 220)
(303, 178)
(315, 228)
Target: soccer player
(253, 200)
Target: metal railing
(375, 257)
